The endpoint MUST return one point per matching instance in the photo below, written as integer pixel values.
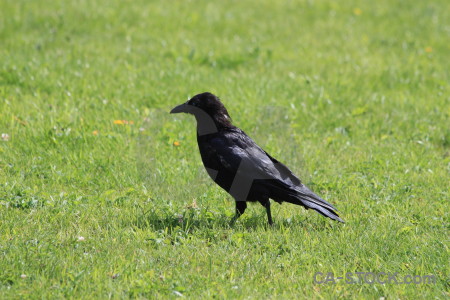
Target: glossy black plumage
(238, 165)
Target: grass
(354, 96)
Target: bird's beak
(179, 109)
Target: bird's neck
(207, 124)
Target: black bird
(239, 166)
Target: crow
(242, 168)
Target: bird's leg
(240, 208)
(266, 204)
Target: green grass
(354, 96)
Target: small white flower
(178, 293)
(23, 276)
(5, 137)
(81, 239)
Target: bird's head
(209, 111)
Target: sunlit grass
(103, 194)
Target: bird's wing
(239, 154)
(284, 171)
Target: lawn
(103, 193)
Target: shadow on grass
(192, 220)
(189, 220)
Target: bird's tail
(305, 197)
